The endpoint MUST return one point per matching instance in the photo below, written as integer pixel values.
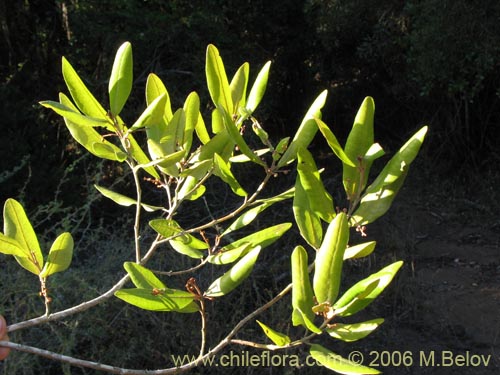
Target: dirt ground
(445, 304)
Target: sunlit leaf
(142, 277)
(156, 88)
(18, 227)
(84, 100)
(262, 238)
(189, 245)
(306, 131)
(123, 200)
(165, 227)
(320, 202)
(236, 136)
(120, 81)
(302, 293)
(158, 299)
(365, 291)
(333, 143)
(192, 112)
(358, 142)
(223, 170)
(329, 260)
(235, 276)
(238, 86)
(60, 255)
(308, 222)
(359, 251)
(278, 338)
(73, 116)
(217, 82)
(229, 256)
(258, 89)
(153, 114)
(10, 246)
(337, 363)
(353, 332)
(379, 196)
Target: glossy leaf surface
(258, 88)
(60, 255)
(329, 260)
(365, 291)
(306, 131)
(235, 276)
(120, 81)
(18, 227)
(302, 293)
(380, 194)
(358, 143)
(353, 332)
(278, 338)
(337, 363)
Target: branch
(174, 370)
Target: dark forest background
(432, 62)
(425, 62)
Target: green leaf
(359, 251)
(142, 277)
(192, 112)
(250, 215)
(10, 246)
(189, 245)
(217, 82)
(152, 115)
(236, 136)
(89, 138)
(238, 86)
(164, 162)
(380, 194)
(320, 202)
(302, 293)
(73, 116)
(201, 130)
(333, 142)
(235, 276)
(301, 318)
(308, 222)
(18, 227)
(329, 260)
(156, 88)
(262, 238)
(358, 142)
(306, 131)
(229, 256)
(107, 150)
(120, 81)
(123, 200)
(140, 157)
(84, 100)
(223, 170)
(165, 227)
(277, 338)
(353, 332)
(190, 188)
(365, 291)
(60, 255)
(221, 144)
(337, 363)
(258, 89)
(159, 299)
